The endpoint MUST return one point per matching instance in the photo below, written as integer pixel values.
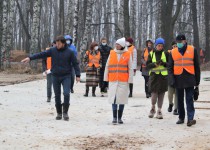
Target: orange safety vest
(146, 54)
(94, 59)
(118, 70)
(49, 61)
(183, 62)
(130, 49)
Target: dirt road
(27, 121)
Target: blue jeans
(49, 85)
(65, 81)
(115, 106)
(189, 103)
(72, 78)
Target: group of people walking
(175, 71)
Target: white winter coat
(119, 89)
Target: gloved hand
(161, 62)
(196, 93)
(158, 62)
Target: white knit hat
(121, 42)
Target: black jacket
(62, 61)
(157, 82)
(186, 79)
(105, 51)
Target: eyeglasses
(174, 46)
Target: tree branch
(22, 20)
(178, 8)
(96, 24)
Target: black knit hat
(180, 37)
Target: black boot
(48, 99)
(114, 117)
(94, 91)
(175, 112)
(131, 90)
(120, 113)
(65, 112)
(87, 91)
(59, 112)
(170, 107)
(147, 95)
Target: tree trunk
(50, 22)
(126, 19)
(133, 20)
(206, 16)
(68, 24)
(1, 32)
(55, 25)
(35, 34)
(25, 23)
(121, 16)
(4, 36)
(151, 19)
(168, 20)
(116, 12)
(61, 17)
(75, 22)
(195, 24)
(84, 43)
(11, 7)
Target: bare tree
(1, 32)
(75, 22)
(151, 18)
(61, 17)
(168, 19)
(206, 15)
(133, 19)
(35, 28)
(85, 39)
(193, 5)
(11, 5)
(126, 18)
(68, 24)
(4, 35)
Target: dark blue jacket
(184, 80)
(62, 61)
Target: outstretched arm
(43, 54)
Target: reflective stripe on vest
(160, 69)
(118, 70)
(183, 62)
(93, 59)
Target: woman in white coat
(119, 74)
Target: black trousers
(146, 84)
(103, 84)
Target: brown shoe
(191, 122)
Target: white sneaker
(152, 113)
(159, 115)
